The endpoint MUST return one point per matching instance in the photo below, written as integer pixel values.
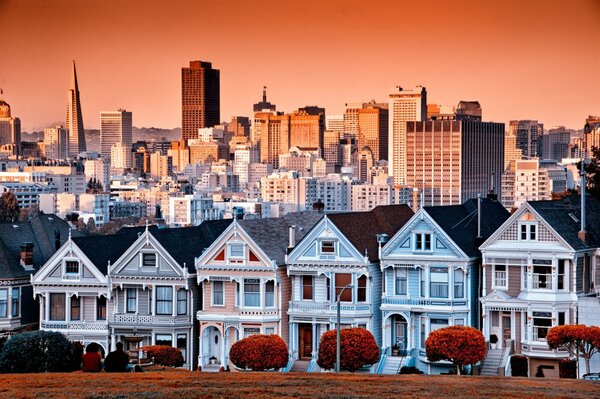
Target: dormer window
(72, 267)
(423, 241)
(236, 252)
(149, 260)
(327, 247)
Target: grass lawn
(183, 384)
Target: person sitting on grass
(91, 361)
(117, 360)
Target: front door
(214, 343)
(505, 329)
(305, 341)
(401, 334)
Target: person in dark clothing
(117, 360)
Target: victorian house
(244, 283)
(538, 267)
(338, 258)
(430, 271)
(133, 286)
(24, 248)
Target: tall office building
(555, 144)
(56, 143)
(200, 98)
(239, 126)
(261, 111)
(115, 127)
(307, 125)
(334, 123)
(527, 133)
(10, 130)
(274, 136)
(74, 123)
(453, 161)
(373, 129)
(404, 105)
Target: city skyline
(508, 56)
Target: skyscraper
(307, 125)
(405, 105)
(10, 130)
(56, 143)
(527, 133)
(115, 127)
(373, 121)
(200, 98)
(74, 118)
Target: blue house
(431, 271)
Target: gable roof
(361, 228)
(558, 215)
(272, 234)
(40, 231)
(459, 222)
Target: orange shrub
(164, 355)
(577, 339)
(357, 348)
(259, 352)
(460, 345)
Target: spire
(264, 94)
(74, 79)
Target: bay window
(401, 277)
(343, 280)
(164, 300)
(252, 292)
(270, 294)
(438, 287)
(459, 284)
(57, 307)
(361, 289)
(217, 293)
(182, 302)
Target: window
(328, 289)
(343, 280)
(252, 292)
(561, 274)
(438, 287)
(542, 322)
(436, 324)
(423, 331)
(16, 299)
(164, 300)
(4, 302)
(423, 241)
(251, 331)
(270, 294)
(72, 267)
(561, 318)
(101, 308)
(270, 330)
(164, 339)
(182, 345)
(500, 279)
(237, 294)
(422, 274)
(307, 287)
(459, 284)
(217, 293)
(75, 308)
(131, 303)
(542, 276)
(57, 307)
(236, 251)
(149, 260)
(528, 231)
(181, 302)
(459, 322)
(361, 291)
(401, 275)
(327, 247)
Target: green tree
(9, 207)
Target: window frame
(400, 283)
(162, 301)
(251, 282)
(361, 291)
(305, 286)
(496, 280)
(55, 308)
(129, 298)
(3, 303)
(75, 300)
(456, 285)
(181, 297)
(146, 255)
(440, 284)
(327, 247)
(270, 294)
(101, 308)
(213, 290)
(423, 241)
(15, 301)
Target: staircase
(392, 364)
(492, 362)
(300, 366)
(211, 368)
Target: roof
(564, 216)
(183, 243)
(361, 228)
(40, 231)
(460, 222)
(272, 234)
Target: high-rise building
(555, 144)
(453, 161)
(264, 105)
(274, 136)
(468, 111)
(331, 147)
(593, 138)
(10, 130)
(120, 154)
(404, 105)
(56, 143)
(115, 127)
(74, 123)
(335, 123)
(524, 180)
(307, 125)
(160, 165)
(527, 133)
(373, 129)
(200, 98)
(239, 126)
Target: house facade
(338, 258)
(244, 284)
(537, 268)
(430, 271)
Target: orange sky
(521, 59)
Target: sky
(521, 59)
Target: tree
(592, 171)
(164, 355)
(259, 352)
(460, 345)
(577, 339)
(9, 207)
(357, 349)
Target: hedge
(259, 352)
(164, 355)
(357, 349)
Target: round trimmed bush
(460, 345)
(164, 355)
(259, 352)
(357, 349)
(37, 352)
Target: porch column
(314, 340)
(200, 349)
(152, 292)
(291, 344)
(47, 303)
(486, 322)
(223, 350)
(42, 305)
(113, 341)
(174, 299)
(483, 282)
(523, 325)
(512, 325)
(68, 309)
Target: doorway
(305, 339)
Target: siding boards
(413, 283)
(376, 326)
(514, 280)
(285, 287)
(89, 308)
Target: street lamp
(338, 356)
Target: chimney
(292, 235)
(26, 255)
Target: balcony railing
(542, 281)
(326, 307)
(150, 319)
(75, 325)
